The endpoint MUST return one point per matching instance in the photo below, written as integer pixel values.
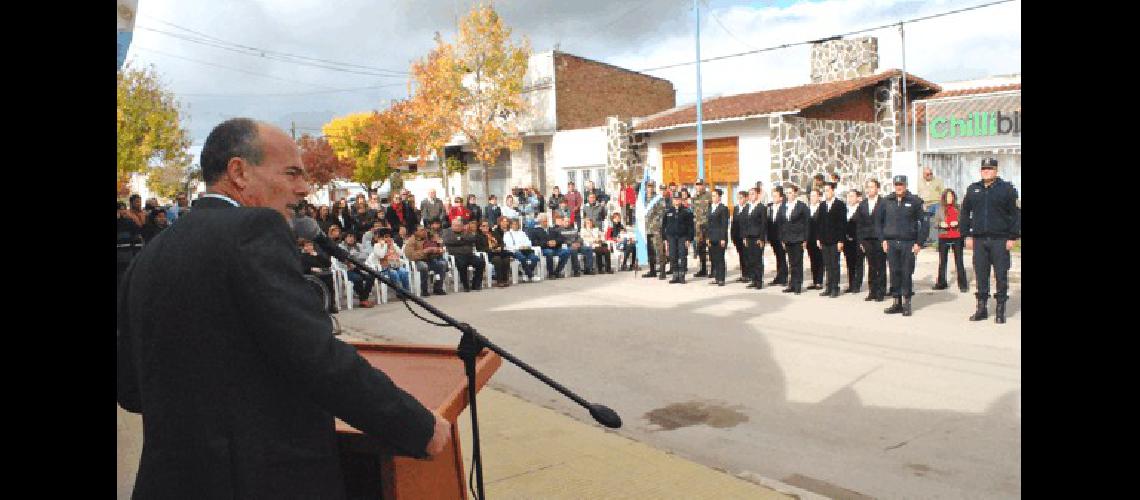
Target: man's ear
(238, 172)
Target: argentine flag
(641, 210)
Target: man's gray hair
(233, 138)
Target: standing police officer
(990, 216)
(902, 229)
(702, 202)
(677, 225)
(654, 245)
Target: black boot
(703, 273)
(651, 274)
(981, 313)
(999, 312)
(870, 296)
(438, 289)
(941, 285)
(896, 308)
(906, 307)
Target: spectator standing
(627, 200)
(179, 208)
(325, 218)
(431, 208)
(362, 219)
(511, 210)
(930, 189)
(595, 210)
(555, 199)
(458, 210)
(946, 220)
(474, 211)
(574, 203)
(493, 211)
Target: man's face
(872, 189)
(136, 203)
(421, 233)
(828, 192)
(350, 239)
(927, 174)
(715, 197)
(900, 188)
(182, 201)
(813, 197)
(852, 199)
(753, 196)
(160, 218)
(700, 188)
(650, 190)
(456, 225)
(431, 194)
(988, 174)
(334, 232)
(593, 199)
(493, 201)
(280, 179)
(565, 222)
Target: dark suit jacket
(851, 235)
(833, 222)
(734, 226)
(815, 222)
(755, 224)
(717, 224)
(226, 351)
(776, 218)
(795, 228)
(866, 221)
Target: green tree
(149, 130)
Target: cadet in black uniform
(991, 223)
(832, 230)
(775, 219)
(811, 243)
(866, 222)
(737, 238)
(717, 230)
(852, 251)
(901, 223)
(755, 229)
(677, 224)
(793, 231)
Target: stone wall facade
(856, 150)
(625, 152)
(844, 59)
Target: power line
(787, 45)
(263, 75)
(210, 41)
(726, 30)
(315, 92)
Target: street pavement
(800, 392)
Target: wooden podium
(434, 375)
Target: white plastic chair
(341, 284)
(378, 286)
(455, 270)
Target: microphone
(307, 227)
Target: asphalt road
(828, 395)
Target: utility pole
(700, 130)
(902, 36)
(293, 129)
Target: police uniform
(656, 245)
(717, 230)
(991, 217)
(702, 203)
(793, 231)
(677, 226)
(902, 224)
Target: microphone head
(306, 227)
(605, 416)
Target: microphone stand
(470, 345)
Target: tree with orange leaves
(321, 164)
(435, 106)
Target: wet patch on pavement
(679, 415)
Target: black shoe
(682, 279)
(797, 291)
(609, 270)
(850, 290)
(964, 289)
(896, 308)
(438, 291)
(981, 312)
(477, 287)
(776, 282)
(650, 274)
(906, 307)
(720, 283)
(742, 279)
(674, 281)
(661, 276)
(999, 312)
(466, 288)
(789, 290)
(880, 298)
(869, 297)
(701, 274)
(941, 286)
(835, 293)
(576, 273)
(759, 285)
(752, 285)
(825, 293)
(669, 271)
(589, 272)
(815, 287)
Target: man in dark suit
(866, 219)
(811, 243)
(776, 217)
(793, 232)
(717, 229)
(755, 229)
(832, 232)
(236, 370)
(734, 233)
(852, 251)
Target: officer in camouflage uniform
(702, 202)
(656, 244)
(654, 227)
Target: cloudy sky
(380, 38)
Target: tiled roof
(772, 101)
(920, 111)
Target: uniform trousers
(900, 257)
(702, 235)
(716, 255)
(741, 256)
(678, 254)
(815, 258)
(853, 256)
(876, 266)
(795, 251)
(781, 252)
(755, 259)
(991, 252)
(830, 254)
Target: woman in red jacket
(458, 210)
(946, 220)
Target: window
(572, 176)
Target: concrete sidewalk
(534, 452)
